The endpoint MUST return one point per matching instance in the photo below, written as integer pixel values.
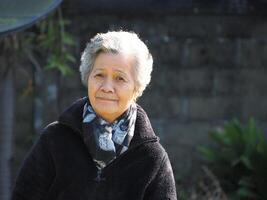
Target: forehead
(118, 61)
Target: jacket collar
(72, 117)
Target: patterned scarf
(107, 141)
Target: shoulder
(53, 129)
(56, 134)
(57, 128)
(145, 135)
(156, 150)
(152, 153)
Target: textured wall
(207, 69)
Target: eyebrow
(120, 71)
(98, 69)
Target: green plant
(49, 41)
(239, 159)
(47, 45)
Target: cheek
(91, 87)
(92, 83)
(127, 94)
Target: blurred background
(210, 60)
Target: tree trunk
(7, 93)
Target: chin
(106, 109)
(106, 105)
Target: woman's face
(111, 85)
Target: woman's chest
(78, 178)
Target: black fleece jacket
(59, 166)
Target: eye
(99, 75)
(120, 78)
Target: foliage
(49, 41)
(205, 186)
(239, 159)
(47, 45)
(208, 188)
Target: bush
(239, 160)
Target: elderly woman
(103, 146)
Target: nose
(107, 86)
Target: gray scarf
(106, 141)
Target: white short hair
(119, 42)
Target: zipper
(99, 172)
(98, 178)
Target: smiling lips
(106, 99)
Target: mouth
(106, 99)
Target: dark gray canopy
(19, 14)
(168, 6)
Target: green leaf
(246, 161)
(67, 39)
(236, 162)
(233, 131)
(244, 192)
(219, 136)
(70, 58)
(246, 182)
(207, 153)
